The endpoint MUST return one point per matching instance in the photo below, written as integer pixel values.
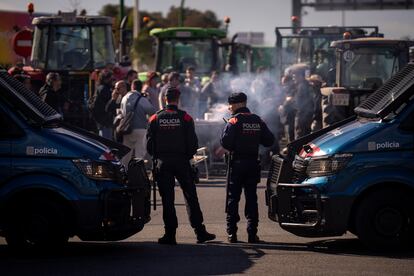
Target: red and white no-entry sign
(22, 43)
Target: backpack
(125, 123)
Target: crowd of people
(292, 109)
(115, 100)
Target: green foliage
(109, 10)
(113, 11)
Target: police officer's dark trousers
(169, 169)
(244, 175)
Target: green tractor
(205, 49)
(263, 56)
(362, 66)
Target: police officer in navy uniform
(172, 140)
(242, 135)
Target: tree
(112, 10)
(193, 18)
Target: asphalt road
(281, 253)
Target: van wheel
(385, 219)
(37, 224)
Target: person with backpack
(141, 107)
(103, 94)
(114, 105)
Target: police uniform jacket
(171, 134)
(243, 134)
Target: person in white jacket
(133, 101)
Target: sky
(246, 15)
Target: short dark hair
(174, 75)
(136, 85)
(51, 77)
(131, 72)
(105, 75)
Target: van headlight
(97, 170)
(324, 166)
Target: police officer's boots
(168, 238)
(232, 238)
(203, 235)
(253, 238)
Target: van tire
(385, 219)
(37, 224)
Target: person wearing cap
(316, 83)
(241, 136)
(150, 89)
(134, 102)
(172, 141)
(113, 106)
(287, 109)
(304, 104)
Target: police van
(357, 175)
(58, 181)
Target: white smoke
(263, 98)
(217, 112)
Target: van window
(8, 128)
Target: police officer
(242, 136)
(171, 139)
